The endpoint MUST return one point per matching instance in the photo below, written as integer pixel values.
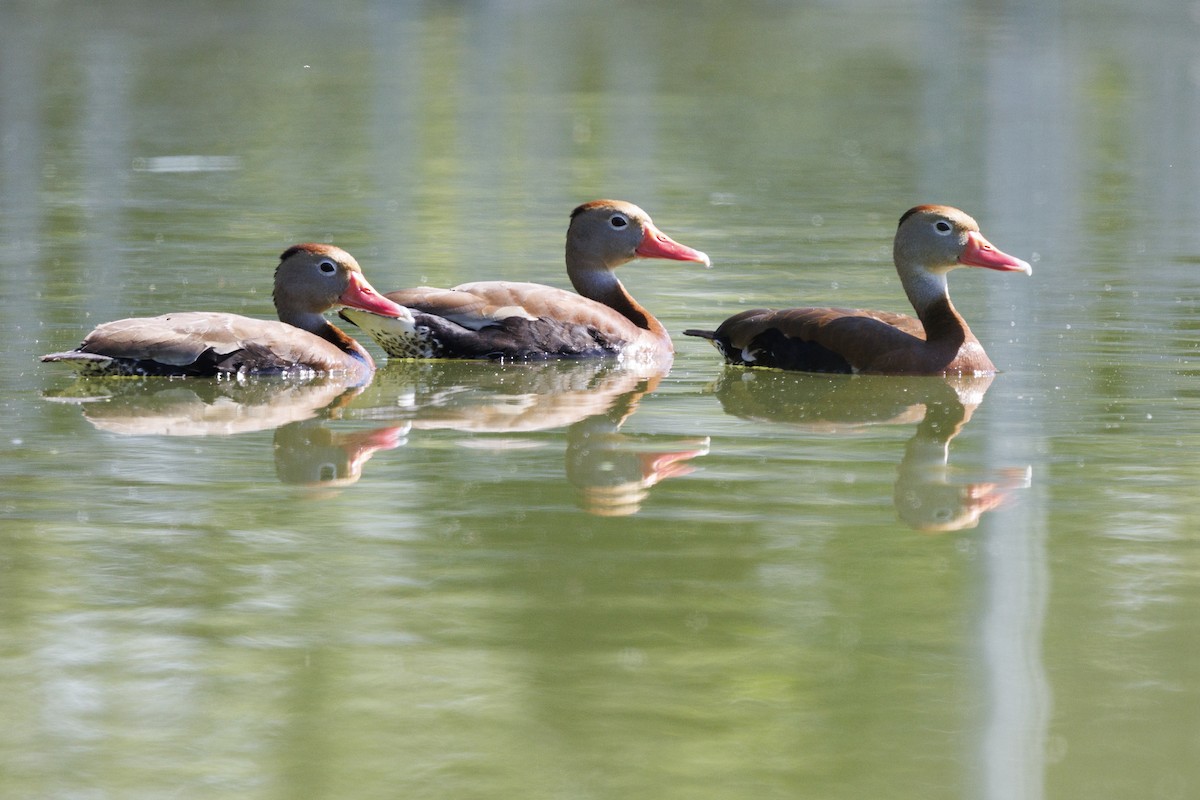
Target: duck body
(504, 320)
(512, 320)
(859, 340)
(511, 338)
(930, 242)
(310, 279)
(206, 344)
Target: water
(572, 580)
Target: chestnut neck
(930, 298)
(943, 324)
(595, 280)
(342, 341)
(317, 325)
(949, 343)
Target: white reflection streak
(187, 164)
(1018, 697)
(1024, 83)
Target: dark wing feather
(482, 304)
(510, 338)
(815, 339)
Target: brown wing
(486, 303)
(197, 342)
(840, 329)
(818, 339)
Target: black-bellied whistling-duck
(310, 280)
(930, 241)
(521, 321)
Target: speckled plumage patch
(419, 343)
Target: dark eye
(327, 267)
(942, 227)
(618, 221)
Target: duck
(517, 321)
(930, 242)
(310, 280)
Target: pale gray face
(607, 231)
(933, 237)
(613, 232)
(312, 278)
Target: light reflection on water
(929, 494)
(189, 613)
(499, 406)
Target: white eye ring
(618, 221)
(327, 267)
(943, 227)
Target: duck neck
(317, 325)
(597, 281)
(930, 298)
(305, 321)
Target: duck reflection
(928, 494)
(307, 451)
(612, 471)
(314, 455)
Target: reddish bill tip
(360, 294)
(656, 244)
(979, 252)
